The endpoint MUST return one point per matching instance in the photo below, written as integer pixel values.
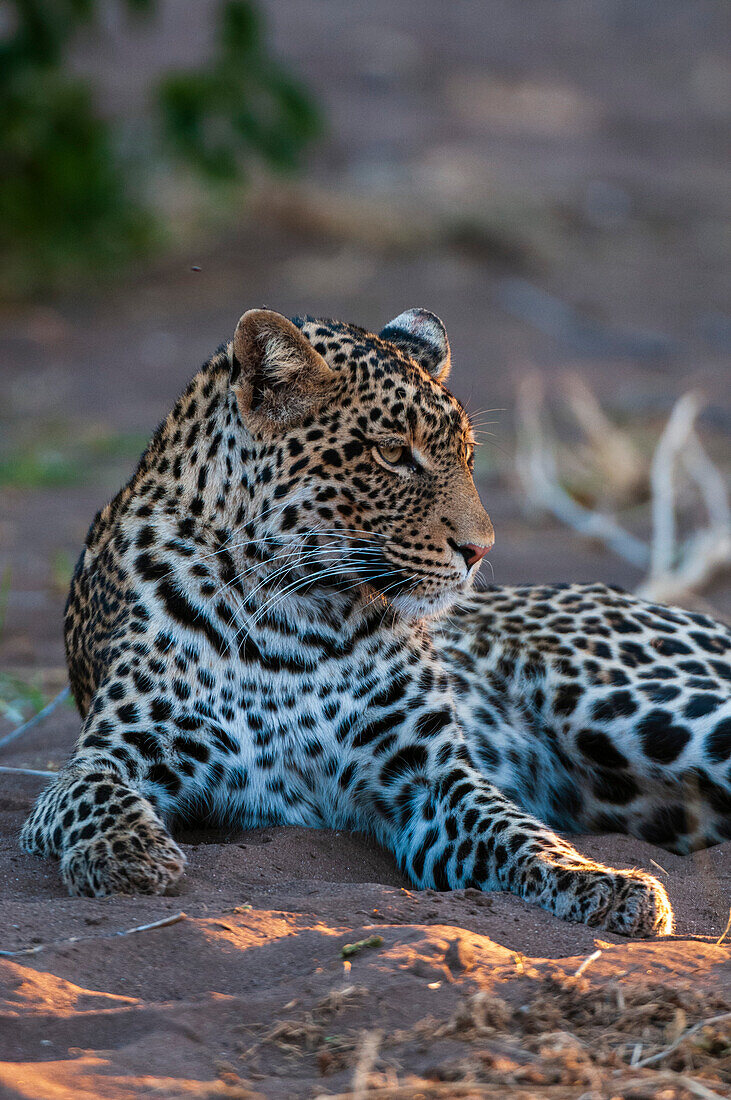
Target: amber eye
(393, 453)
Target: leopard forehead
(397, 391)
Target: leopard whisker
(343, 570)
(228, 547)
(293, 563)
(290, 549)
(277, 599)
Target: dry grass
(571, 1037)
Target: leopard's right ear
(277, 375)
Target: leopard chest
(286, 706)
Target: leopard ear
(421, 335)
(276, 373)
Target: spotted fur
(253, 636)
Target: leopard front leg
(108, 837)
(105, 816)
(449, 829)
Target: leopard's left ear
(421, 335)
(277, 375)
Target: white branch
(19, 730)
(674, 570)
(678, 569)
(537, 469)
(662, 479)
(611, 450)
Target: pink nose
(472, 553)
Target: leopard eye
(394, 453)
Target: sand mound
(461, 994)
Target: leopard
(276, 622)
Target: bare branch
(27, 771)
(35, 719)
(163, 923)
(675, 569)
(538, 473)
(610, 450)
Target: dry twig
(666, 1077)
(43, 713)
(674, 568)
(537, 470)
(587, 962)
(652, 1058)
(367, 1055)
(163, 923)
(27, 771)
(611, 450)
(725, 932)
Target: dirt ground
(475, 153)
(248, 994)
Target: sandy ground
(248, 994)
(578, 146)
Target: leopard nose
(472, 553)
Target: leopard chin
(414, 608)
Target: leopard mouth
(412, 591)
(408, 587)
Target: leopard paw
(640, 906)
(629, 903)
(145, 860)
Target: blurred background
(550, 178)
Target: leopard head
(365, 455)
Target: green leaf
(240, 106)
(69, 201)
(240, 28)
